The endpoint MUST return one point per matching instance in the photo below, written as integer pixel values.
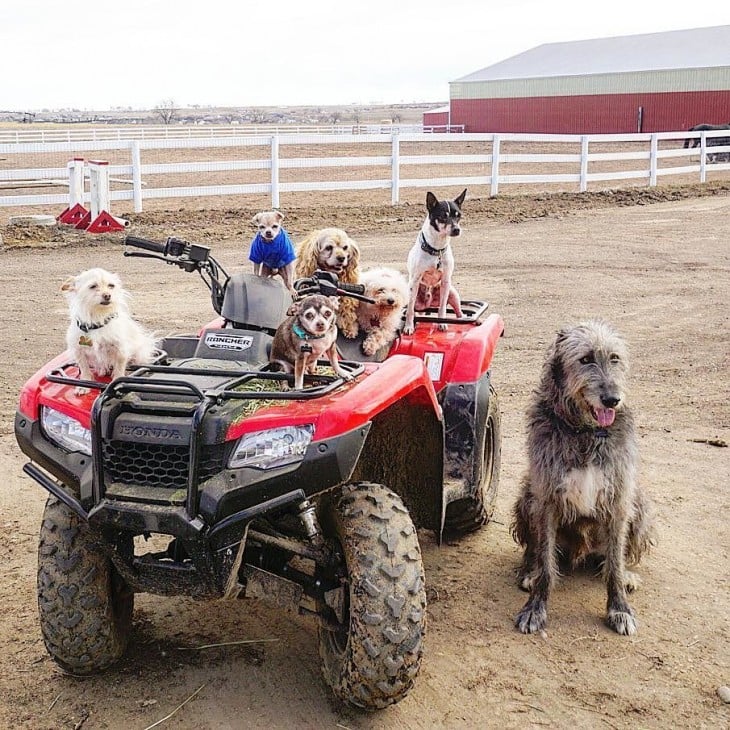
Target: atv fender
(476, 351)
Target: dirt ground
(656, 263)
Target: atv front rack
(320, 384)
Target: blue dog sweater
(275, 254)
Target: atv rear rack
(472, 310)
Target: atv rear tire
(85, 606)
(470, 513)
(372, 656)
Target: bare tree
(167, 111)
(335, 116)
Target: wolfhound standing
(579, 500)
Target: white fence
(277, 164)
(203, 131)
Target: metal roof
(678, 49)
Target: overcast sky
(98, 54)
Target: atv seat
(255, 302)
(351, 349)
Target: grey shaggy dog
(580, 503)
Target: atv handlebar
(143, 243)
(326, 283)
(187, 256)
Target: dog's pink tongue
(605, 416)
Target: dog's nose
(610, 401)
(391, 301)
(455, 230)
(106, 297)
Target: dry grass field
(654, 262)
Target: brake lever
(139, 254)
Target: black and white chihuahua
(431, 261)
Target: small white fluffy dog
(389, 289)
(101, 334)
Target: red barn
(437, 119)
(656, 82)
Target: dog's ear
(555, 357)
(255, 220)
(69, 284)
(279, 216)
(295, 308)
(460, 200)
(334, 302)
(307, 253)
(354, 261)
(431, 201)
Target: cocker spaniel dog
(331, 249)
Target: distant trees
(167, 111)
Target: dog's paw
(525, 581)
(370, 346)
(532, 618)
(622, 622)
(632, 581)
(408, 329)
(443, 326)
(349, 332)
(80, 390)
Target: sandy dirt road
(659, 271)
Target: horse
(695, 141)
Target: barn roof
(678, 49)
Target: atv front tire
(85, 606)
(371, 652)
(470, 513)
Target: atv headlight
(274, 448)
(65, 431)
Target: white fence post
(703, 157)
(494, 188)
(583, 164)
(136, 176)
(75, 182)
(275, 171)
(395, 169)
(99, 187)
(653, 160)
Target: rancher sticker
(434, 363)
(217, 341)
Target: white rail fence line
(204, 131)
(714, 146)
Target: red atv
(307, 498)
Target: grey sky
(100, 54)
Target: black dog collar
(430, 250)
(89, 326)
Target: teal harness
(302, 334)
